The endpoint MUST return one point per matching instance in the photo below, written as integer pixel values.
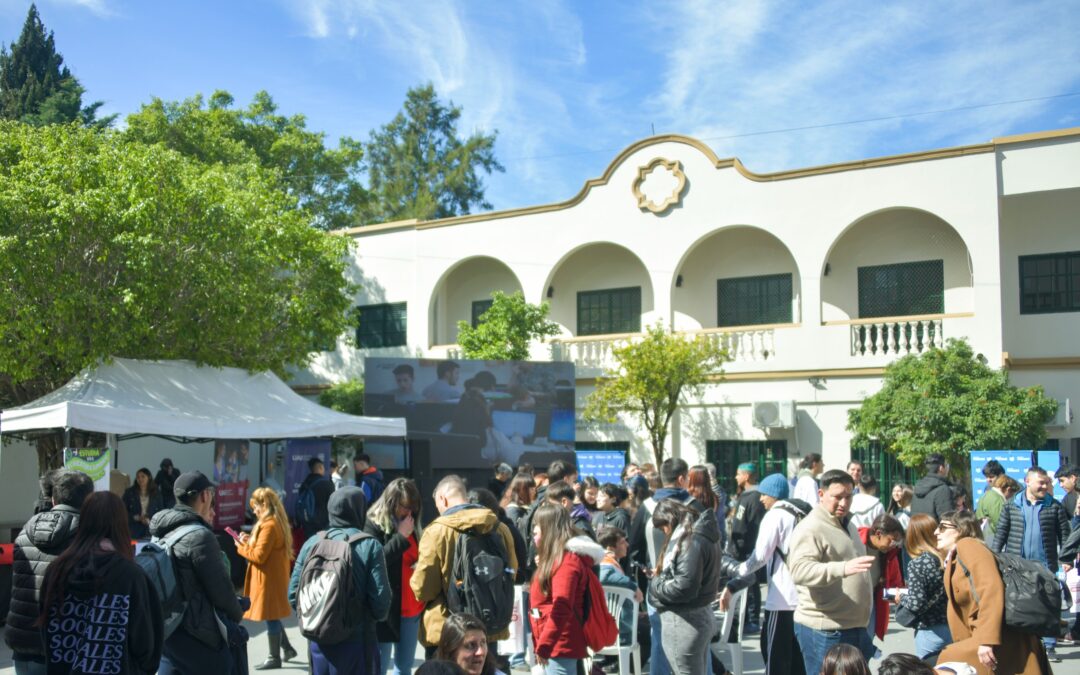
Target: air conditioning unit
(1063, 417)
(774, 414)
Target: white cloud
(98, 7)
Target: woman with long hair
(394, 520)
(94, 589)
(464, 642)
(924, 598)
(142, 502)
(685, 583)
(699, 485)
(559, 587)
(586, 493)
(268, 550)
(519, 496)
(976, 605)
(900, 503)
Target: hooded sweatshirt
(43, 538)
(864, 509)
(347, 510)
(556, 617)
(933, 496)
(436, 558)
(108, 623)
(828, 600)
(771, 550)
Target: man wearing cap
(196, 647)
(745, 524)
(779, 647)
(165, 479)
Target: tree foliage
(650, 379)
(418, 167)
(111, 248)
(506, 329)
(346, 397)
(35, 85)
(324, 181)
(949, 401)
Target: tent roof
(182, 399)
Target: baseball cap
(190, 483)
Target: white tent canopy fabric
(182, 399)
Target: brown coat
(267, 578)
(973, 624)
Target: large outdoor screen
(477, 413)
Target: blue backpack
(304, 509)
(156, 561)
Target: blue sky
(569, 84)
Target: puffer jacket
(933, 496)
(556, 618)
(202, 574)
(433, 567)
(1053, 523)
(691, 574)
(43, 538)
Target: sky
(567, 85)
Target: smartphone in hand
(232, 533)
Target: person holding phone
(268, 550)
(394, 521)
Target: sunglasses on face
(945, 526)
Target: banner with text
(94, 462)
(231, 476)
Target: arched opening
(737, 276)
(599, 289)
(465, 292)
(898, 262)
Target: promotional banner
(604, 465)
(231, 476)
(1051, 461)
(94, 462)
(1015, 462)
(297, 453)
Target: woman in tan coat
(268, 550)
(980, 637)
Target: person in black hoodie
(197, 647)
(166, 479)
(44, 537)
(685, 583)
(321, 487)
(745, 523)
(933, 493)
(610, 513)
(99, 614)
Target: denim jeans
(561, 666)
(404, 649)
(658, 663)
(816, 643)
(274, 627)
(28, 667)
(930, 641)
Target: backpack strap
(173, 537)
(967, 573)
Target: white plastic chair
(736, 608)
(617, 598)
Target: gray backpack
(326, 601)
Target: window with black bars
(884, 466)
(1050, 283)
(381, 325)
(748, 301)
(768, 456)
(902, 289)
(478, 309)
(616, 310)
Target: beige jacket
(828, 600)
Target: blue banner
(1015, 462)
(1051, 461)
(604, 465)
(297, 453)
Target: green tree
(325, 181)
(419, 168)
(35, 85)
(506, 329)
(112, 248)
(950, 401)
(346, 397)
(651, 377)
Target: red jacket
(557, 631)
(890, 578)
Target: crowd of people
(508, 568)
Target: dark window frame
(751, 301)
(609, 311)
(884, 466)
(882, 296)
(726, 454)
(382, 325)
(478, 309)
(1059, 290)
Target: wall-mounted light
(827, 269)
(551, 292)
(817, 382)
(678, 281)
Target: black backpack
(481, 579)
(327, 604)
(1032, 594)
(304, 510)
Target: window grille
(748, 301)
(726, 456)
(1050, 283)
(381, 325)
(478, 309)
(902, 289)
(616, 310)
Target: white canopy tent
(179, 399)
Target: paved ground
(898, 640)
